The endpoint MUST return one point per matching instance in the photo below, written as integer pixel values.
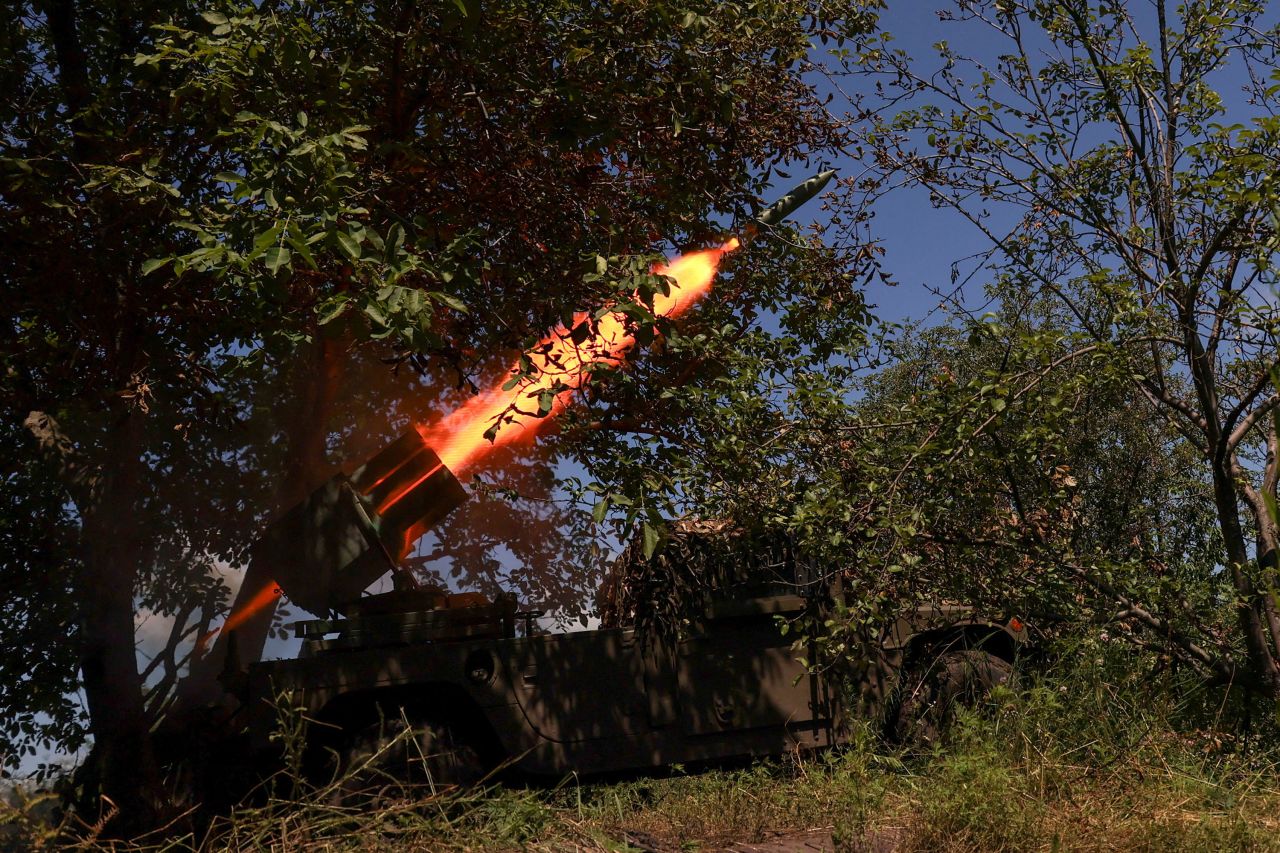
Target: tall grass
(1106, 752)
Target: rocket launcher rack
(357, 527)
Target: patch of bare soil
(814, 841)
(809, 841)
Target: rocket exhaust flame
(265, 597)
(560, 365)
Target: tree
(1120, 161)
(217, 203)
(1025, 471)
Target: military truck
(422, 685)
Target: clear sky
(921, 242)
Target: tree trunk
(122, 757)
(1268, 550)
(1264, 507)
(1250, 607)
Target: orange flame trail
(561, 363)
(267, 595)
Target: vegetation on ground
(1092, 753)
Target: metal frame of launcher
(359, 527)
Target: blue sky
(921, 242)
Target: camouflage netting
(699, 557)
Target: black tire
(930, 692)
(405, 756)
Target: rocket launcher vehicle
(353, 530)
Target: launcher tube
(325, 551)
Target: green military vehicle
(477, 696)
(420, 685)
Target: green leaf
(303, 249)
(448, 299)
(265, 239)
(348, 245)
(152, 264)
(580, 332)
(395, 239)
(651, 537)
(412, 301)
(215, 18)
(636, 312)
(276, 257)
(334, 312)
(599, 511)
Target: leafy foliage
(1117, 178)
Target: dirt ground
(804, 842)
(810, 841)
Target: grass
(1099, 757)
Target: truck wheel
(929, 693)
(404, 757)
